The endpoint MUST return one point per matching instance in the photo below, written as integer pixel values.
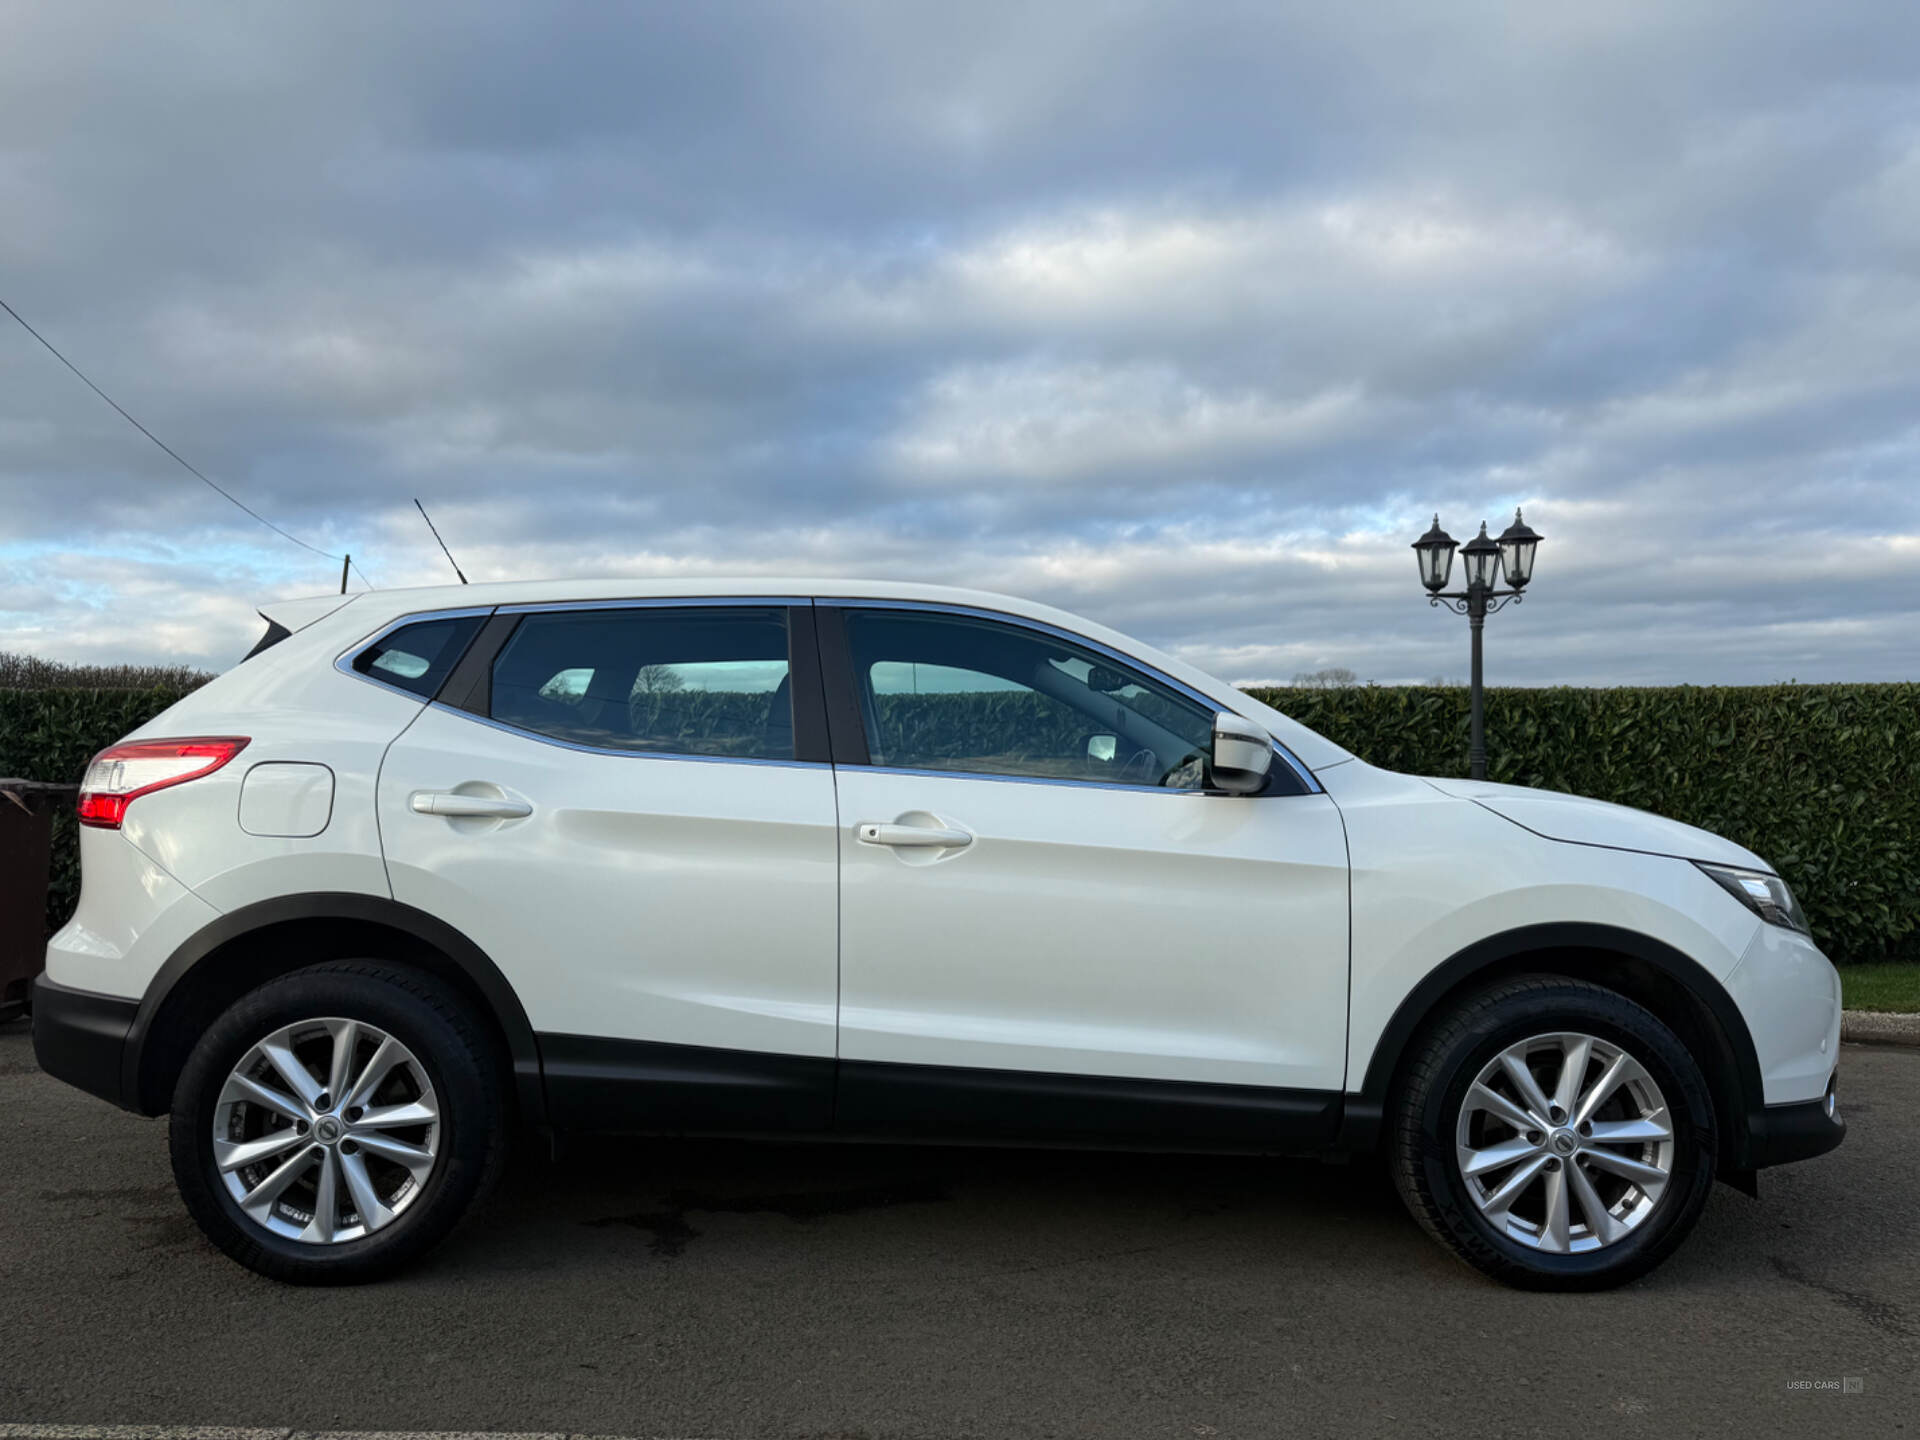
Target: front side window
(951, 692)
(416, 658)
(663, 680)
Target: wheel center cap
(1564, 1142)
(327, 1130)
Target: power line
(224, 494)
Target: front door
(620, 818)
(1049, 927)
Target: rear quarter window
(417, 658)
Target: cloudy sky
(1184, 316)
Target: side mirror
(1242, 751)
(1102, 749)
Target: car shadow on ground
(667, 1194)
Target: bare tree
(658, 680)
(650, 690)
(1334, 677)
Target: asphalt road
(738, 1290)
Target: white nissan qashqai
(897, 862)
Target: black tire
(452, 1046)
(1422, 1151)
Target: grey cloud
(1184, 317)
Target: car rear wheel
(1555, 1135)
(336, 1123)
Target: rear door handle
(448, 802)
(924, 837)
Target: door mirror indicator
(1242, 752)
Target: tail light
(120, 775)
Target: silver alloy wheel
(1565, 1143)
(326, 1131)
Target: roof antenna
(436, 535)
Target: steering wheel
(1140, 768)
(1189, 774)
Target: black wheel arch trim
(1366, 1110)
(469, 958)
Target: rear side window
(416, 658)
(694, 681)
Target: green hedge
(1822, 780)
(51, 735)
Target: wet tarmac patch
(671, 1231)
(1882, 1315)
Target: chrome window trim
(343, 662)
(659, 602)
(1050, 780)
(934, 607)
(575, 745)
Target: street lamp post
(1485, 559)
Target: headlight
(1765, 895)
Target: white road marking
(220, 1432)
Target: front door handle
(451, 802)
(925, 837)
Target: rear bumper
(1786, 1133)
(81, 1037)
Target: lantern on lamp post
(1484, 559)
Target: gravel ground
(753, 1290)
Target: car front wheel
(336, 1123)
(1555, 1135)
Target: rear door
(628, 808)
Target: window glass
(673, 681)
(950, 692)
(416, 658)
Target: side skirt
(914, 1101)
(645, 1087)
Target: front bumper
(1786, 1133)
(81, 1037)
(1789, 995)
